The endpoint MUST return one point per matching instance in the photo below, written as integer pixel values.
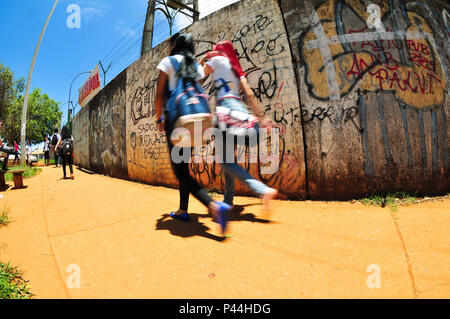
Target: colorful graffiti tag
(405, 62)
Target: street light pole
(147, 37)
(74, 107)
(27, 90)
(70, 91)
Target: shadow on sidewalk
(85, 171)
(186, 229)
(4, 188)
(236, 215)
(196, 228)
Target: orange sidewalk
(118, 235)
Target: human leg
(64, 162)
(70, 161)
(184, 197)
(55, 156)
(229, 188)
(219, 209)
(233, 170)
(5, 163)
(8, 151)
(190, 185)
(236, 171)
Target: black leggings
(187, 183)
(16, 157)
(8, 151)
(67, 160)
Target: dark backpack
(66, 147)
(186, 105)
(54, 139)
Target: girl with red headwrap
(232, 115)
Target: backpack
(54, 139)
(67, 147)
(187, 107)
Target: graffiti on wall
(81, 138)
(372, 81)
(107, 132)
(263, 50)
(384, 48)
(146, 146)
(405, 62)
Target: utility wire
(125, 46)
(127, 49)
(123, 38)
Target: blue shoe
(221, 216)
(184, 217)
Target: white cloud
(123, 30)
(91, 9)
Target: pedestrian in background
(65, 147)
(5, 151)
(46, 151)
(55, 138)
(28, 153)
(16, 154)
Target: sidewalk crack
(405, 252)
(55, 258)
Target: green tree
(9, 89)
(43, 112)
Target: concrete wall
(107, 130)
(375, 110)
(371, 113)
(80, 132)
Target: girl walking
(181, 47)
(16, 153)
(232, 115)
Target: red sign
(90, 87)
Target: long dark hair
(184, 44)
(65, 132)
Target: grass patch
(12, 285)
(29, 172)
(51, 162)
(4, 218)
(393, 200)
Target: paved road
(116, 235)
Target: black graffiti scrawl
(107, 149)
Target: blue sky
(111, 31)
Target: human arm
(255, 106)
(207, 70)
(205, 58)
(159, 98)
(58, 143)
